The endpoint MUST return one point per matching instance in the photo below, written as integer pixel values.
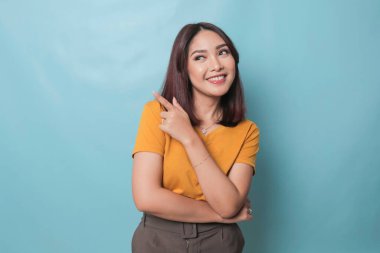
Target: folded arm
(151, 197)
(226, 194)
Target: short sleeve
(250, 147)
(149, 135)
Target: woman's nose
(215, 64)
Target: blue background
(75, 74)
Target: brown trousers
(156, 235)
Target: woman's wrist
(190, 139)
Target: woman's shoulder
(151, 111)
(249, 130)
(153, 106)
(247, 124)
(244, 128)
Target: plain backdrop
(75, 74)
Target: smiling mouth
(217, 79)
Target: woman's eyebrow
(203, 50)
(198, 51)
(221, 45)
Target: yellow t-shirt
(226, 145)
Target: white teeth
(217, 78)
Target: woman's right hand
(243, 214)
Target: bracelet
(204, 159)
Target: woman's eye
(199, 57)
(224, 52)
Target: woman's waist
(185, 229)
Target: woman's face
(211, 66)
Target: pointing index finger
(163, 101)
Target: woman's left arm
(225, 194)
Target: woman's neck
(207, 110)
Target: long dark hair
(177, 82)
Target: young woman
(195, 152)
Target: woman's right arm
(151, 197)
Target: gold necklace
(205, 129)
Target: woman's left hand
(175, 121)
